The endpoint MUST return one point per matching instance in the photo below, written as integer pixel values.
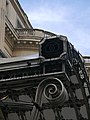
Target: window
(19, 24)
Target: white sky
(63, 17)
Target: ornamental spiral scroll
(53, 90)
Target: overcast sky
(63, 17)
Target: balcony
(33, 34)
(87, 64)
(23, 39)
(24, 33)
(87, 59)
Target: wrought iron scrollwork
(58, 76)
(53, 90)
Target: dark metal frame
(25, 77)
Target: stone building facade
(17, 36)
(87, 64)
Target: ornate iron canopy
(53, 86)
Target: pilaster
(2, 23)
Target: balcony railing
(24, 32)
(87, 59)
(34, 32)
(27, 34)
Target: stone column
(2, 23)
